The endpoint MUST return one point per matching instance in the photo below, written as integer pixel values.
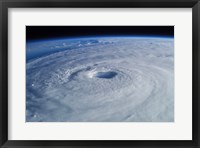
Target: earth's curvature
(101, 79)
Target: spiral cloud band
(105, 79)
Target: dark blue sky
(45, 32)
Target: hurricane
(100, 79)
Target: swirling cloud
(107, 79)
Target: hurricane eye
(106, 75)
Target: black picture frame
(5, 4)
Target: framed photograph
(99, 73)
